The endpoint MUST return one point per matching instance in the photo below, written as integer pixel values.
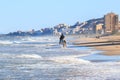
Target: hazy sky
(36, 14)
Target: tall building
(119, 26)
(111, 23)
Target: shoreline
(109, 45)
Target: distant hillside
(89, 23)
(77, 28)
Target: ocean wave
(5, 42)
(34, 56)
(16, 42)
(25, 56)
(40, 39)
(69, 60)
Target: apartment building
(111, 23)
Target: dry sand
(109, 44)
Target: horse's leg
(64, 44)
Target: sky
(25, 15)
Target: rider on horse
(62, 40)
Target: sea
(42, 58)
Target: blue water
(101, 58)
(42, 58)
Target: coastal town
(108, 24)
(59, 40)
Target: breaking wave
(34, 56)
(26, 56)
(69, 60)
(5, 42)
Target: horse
(63, 43)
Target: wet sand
(110, 45)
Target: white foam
(5, 42)
(51, 44)
(35, 56)
(16, 42)
(31, 39)
(13, 56)
(43, 39)
(69, 60)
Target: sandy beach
(110, 45)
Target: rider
(61, 38)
